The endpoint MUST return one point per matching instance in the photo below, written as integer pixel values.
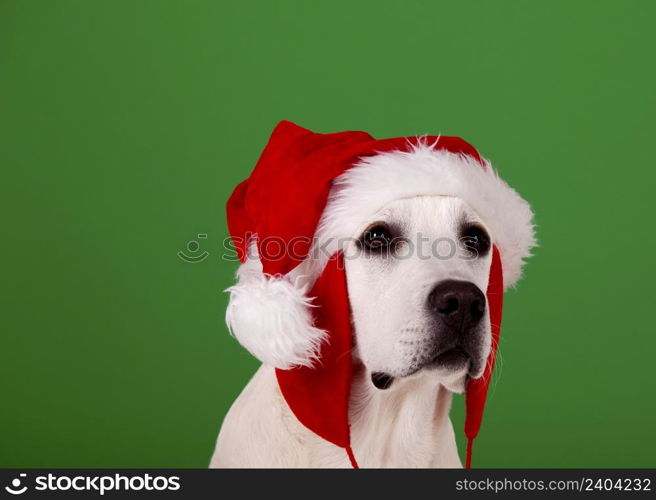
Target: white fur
(388, 296)
(270, 316)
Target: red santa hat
(290, 307)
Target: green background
(124, 126)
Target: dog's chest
(409, 429)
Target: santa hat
(290, 307)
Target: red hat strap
(320, 397)
(477, 389)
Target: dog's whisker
(345, 353)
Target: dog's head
(417, 272)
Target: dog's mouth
(453, 359)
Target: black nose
(459, 304)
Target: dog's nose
(459, 304)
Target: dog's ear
(271, 317)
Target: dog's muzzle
(457, 309)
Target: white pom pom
(271, 318)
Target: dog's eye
(476, 240)
(377, 238)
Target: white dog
(417, 270)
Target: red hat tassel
(351, 456)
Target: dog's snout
(459, 304)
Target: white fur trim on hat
(423, 171)
(270, 316)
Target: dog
(417, 270)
